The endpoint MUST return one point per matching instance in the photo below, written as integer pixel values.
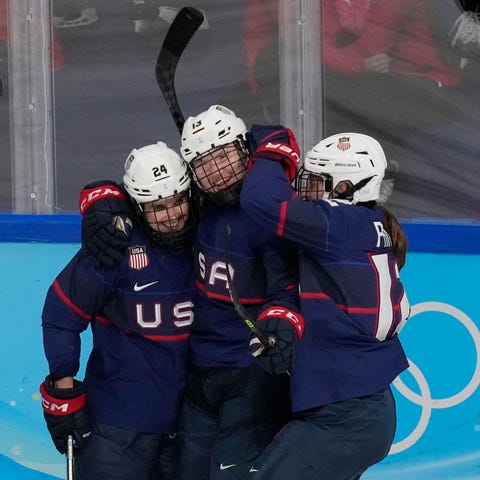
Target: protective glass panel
(107, 100)
(5, 175)
(406, 72)
(403, 71)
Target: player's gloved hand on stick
(275, 142)
(65, 413)
(285, 327)
(106, 222)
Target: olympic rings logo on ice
(425, 399)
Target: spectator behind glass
(382, 64)
(458, 25)
(383, 37)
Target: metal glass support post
(301, 78)
(31, 105)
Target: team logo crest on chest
(138, 257)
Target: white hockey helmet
(213, 128)
(153, 172)
(355, 157)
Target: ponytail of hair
(399, 239)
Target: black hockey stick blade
(265, 341)
(181, 31)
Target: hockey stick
(265, 342)
(182, 29)
(70, 457)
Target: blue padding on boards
(423, 236)
(59, 228)
(442, 237)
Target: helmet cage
(162, 230)
(307, 184)
(156, 172)
(219, 173)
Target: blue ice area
(11, 470)
(438, 434)
(27, 270)
(439, 409)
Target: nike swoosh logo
(253, 469)
(224, 467)
(139, 288)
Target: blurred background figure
(73, 13)
(389, 71)
(381, 63)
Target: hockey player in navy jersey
(233, 407)
(352, 300)
(124, 414)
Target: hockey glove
(275, 143)
(106, 223)
(65, 413)
(286, 328)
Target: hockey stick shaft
(265, 341)
(70, 458)
(181, 31)
(183, 27)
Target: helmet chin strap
(348, 193)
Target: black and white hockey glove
(65, 413)
(285, 327)
(275, 142)
(106, 222)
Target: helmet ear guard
(348, 193)
(352, 157)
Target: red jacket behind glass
(400, 28)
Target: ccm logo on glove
(55, 406)
(91, 195)
(275, 143)
(295, 319)
(283, 148)
(65, 413)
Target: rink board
(438, 398)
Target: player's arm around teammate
(233, 407)
(352, 300)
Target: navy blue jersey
(264, 270)
(351, 295)
(140, 314)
